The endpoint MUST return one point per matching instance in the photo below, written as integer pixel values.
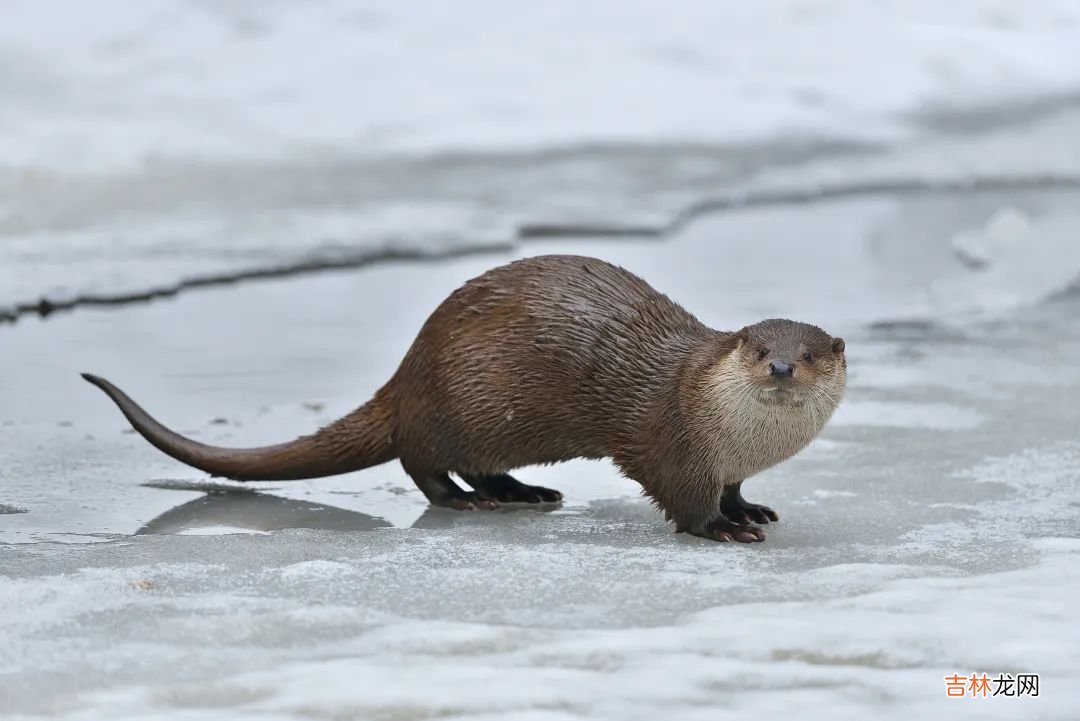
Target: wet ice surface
(933, 529)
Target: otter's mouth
(779, 396)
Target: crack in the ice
(733, 201)
(46, 307)
(752, 199)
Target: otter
(558, 357)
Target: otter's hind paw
(504, 488)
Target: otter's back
(541, 359)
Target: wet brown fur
(553, 358)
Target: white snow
(114, 83)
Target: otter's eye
(762, 352)
(808, 357)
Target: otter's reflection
(254, 511)
(226, 507)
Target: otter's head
(791, 364)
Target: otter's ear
(741, 337)
(838, 346)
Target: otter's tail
(361, 439)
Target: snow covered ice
(934, 528)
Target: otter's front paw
(725, 530)
(751, 513)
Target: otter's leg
(442, 491)
(737, 509)
(505, 488)
(693, 505)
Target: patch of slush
(1043, 501)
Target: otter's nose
(780, 369)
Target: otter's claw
(724, 530)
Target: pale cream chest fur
(748, 435)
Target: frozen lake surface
(934, 528)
